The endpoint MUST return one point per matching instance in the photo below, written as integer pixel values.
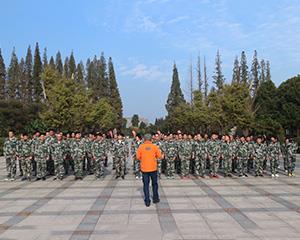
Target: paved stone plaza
(248, 208)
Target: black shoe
(256, 175)
(147, 204)
(261, 175)
(54, 178)
(245, 175)
(229, 175)
(156, 201)
(29, 179)
(38, 179)
(23, 178)
(241, 175)
(43, 178)
(117, 177)
(60, 178)
(123, 177)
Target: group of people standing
(56, 154)
(199, 156)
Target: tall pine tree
(58, 63)
(36, 75)
(13, 77)
(45, 58)
(28, 76)
(23, 81)
(268, 72)
(72, 66)
(2, 77)
(175, 97)
(102, 83)
(236, 75)
(52, 63)
(199, 75)
(244, 69)
(262, 77)
(114, 94)
(254, 74)
(205, 80)
(218, 77)
(79, 73)
(66, 68)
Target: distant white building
(141, 119)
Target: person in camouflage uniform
(291, 150)
(10, 154)
(285, 154)
(156, 141)
(58, 154)
(120, 152)
(88, 151)
(78, 155)
(214, 148)
(226, 156)
(200, 156)
(185, 152)
(259, 157)
(136, 164)
(273, 154)
(170, 152)
(35, 141)
(41, 155)
(25, 156)
(50, 139)
(99, 154)
(242, 157)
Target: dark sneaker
(156, 201)
(147, 204)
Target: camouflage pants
(291, 164)
(137, 168)
(89, 164)
(159, 161)
(26, 166)
(185, 165)
(78, 166)
(59, 170)
(11, 165)
(285, 162)
(98, 167)
(242, 165)
(227, 165)
(274, 163)
(200, 165)
(41, 167)
(258, 165)
(214, 164)
(120, 166)
(170, 168)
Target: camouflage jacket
(25, 149)
(99, 149)
(10, 147)
(58, 149)
(41, 150)
(185, 149)
(78, 148)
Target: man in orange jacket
(148, 154)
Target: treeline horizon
(37, 92)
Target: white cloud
(143, 72)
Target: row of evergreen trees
(33, 79)
(250, 101)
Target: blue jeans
(146, 182)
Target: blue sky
(145, 37)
